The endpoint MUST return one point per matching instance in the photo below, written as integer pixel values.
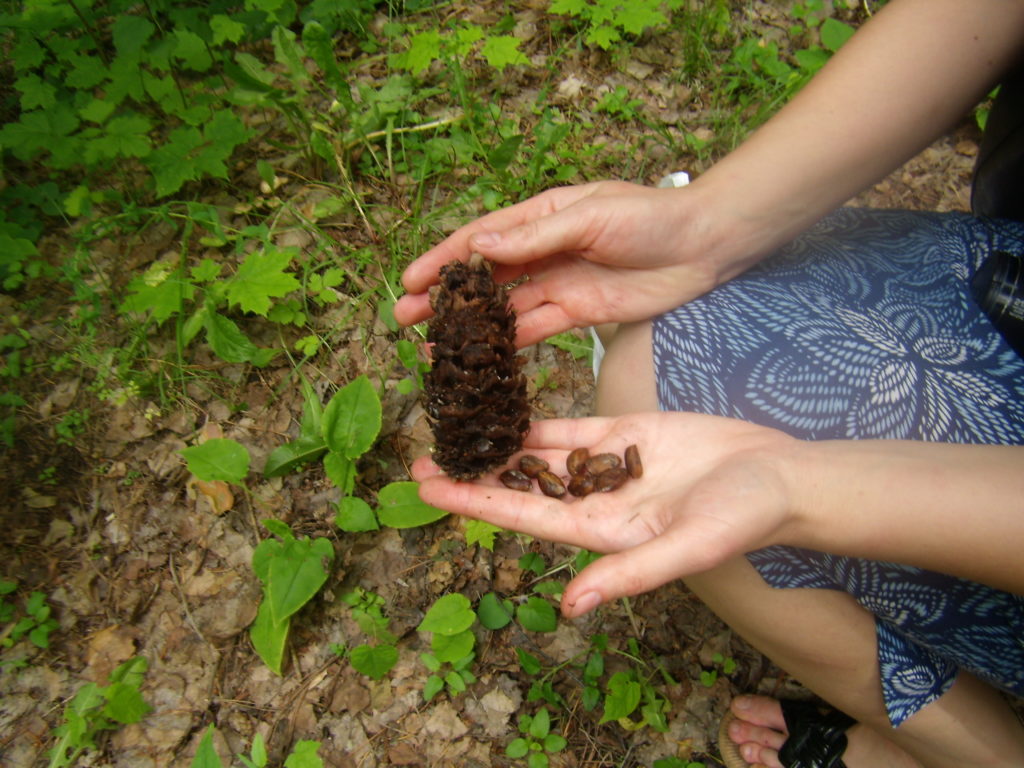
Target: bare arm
(956, 509)
(898, 84)
(714, 488)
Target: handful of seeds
(588, 474)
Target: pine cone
(475, 391)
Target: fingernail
(585, 603)
(485, 239)
(742, 702)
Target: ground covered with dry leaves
(136, 558)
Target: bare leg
(822, 637)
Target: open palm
(709, 491)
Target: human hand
(595, 253)
(711, 489)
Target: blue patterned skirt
(864, 327)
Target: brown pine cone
(475, 390)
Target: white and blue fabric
(864, 327)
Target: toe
(746, 734)
(759, 710)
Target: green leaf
(453, 648)
(269, 638)
(481, 532)
(304, 755)
(622, 698)
(355, 516)
(218, 459)
(290, 456)
(537, 760)
(296, 574)
(537, 615)
(835, 33)
(124, 703)
(352, 419)
(449, 615)
(517, 748)
(503, 50)
(529, 663)
(130, 33)
(206, 756)
(260, 277)
(225, 29)
(554, 742)
(493, 612)
(540, 725)
(401, 507)
(190, 49)
(424, 48)
(340, 471)
(432, 687)
(374, 661)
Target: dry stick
(184, 602)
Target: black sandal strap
(817, 736)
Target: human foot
(757, 729)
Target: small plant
(36, 625)
(537, 741)
(724, 664)
(450, 620)
(292, 571)
(606, 21)
(303, 754)
(375, 660)
(96, 708)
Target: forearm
(902, 81)
(956, 509)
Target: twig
(184, 602)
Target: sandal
(817, 737)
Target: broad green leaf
(231, 345)
(279, 528)
(502, 50)
(540, 725)
(622, 698)
(225, 28)
(261, 277)
(268, 639)
(355, 516)
(288, 52)
(537, 760)
(304, 755)
(340, 471)
(493, 612)
(432, 687)
(449, 615)
(290, 456)
(124, 703)
(130, 33)
(453, 648)
(537, 615)
(218, 459)
(296, 574)
(401, 507)
(352, 419)
(481, 532)
(190, 49)
(529, 663)
(374, 661)
(517, 748)
(835, 33)
(206, 756)
(424, 48)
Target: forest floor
(138, 560)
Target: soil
(137, 558)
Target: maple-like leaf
(502, 50)
(261, 277)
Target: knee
(626, 381)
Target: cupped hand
(712, 488)
(594, 253)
